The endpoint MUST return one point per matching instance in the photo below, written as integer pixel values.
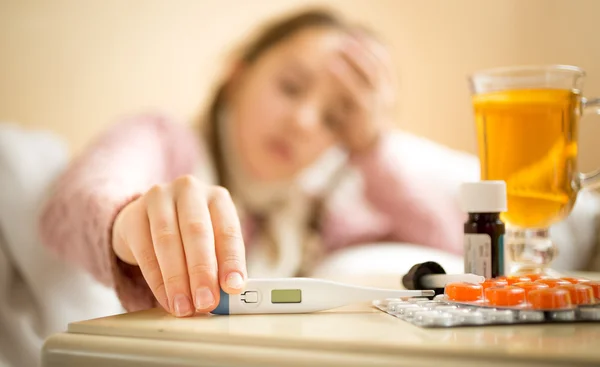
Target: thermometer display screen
(286, 296)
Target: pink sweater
(136, 154)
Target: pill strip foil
(440, 313)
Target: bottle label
(478, 254)
(501, 254)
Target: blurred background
(75, 66)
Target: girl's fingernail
(234, 280)
(182, 305)
(204, 298)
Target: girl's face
(283, 103)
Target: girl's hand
(364, 75)
(186, 238)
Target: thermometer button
(250, 297)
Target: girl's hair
(270, 36)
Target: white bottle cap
(483, 197)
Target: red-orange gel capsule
(505, 296)
(549, 299)
(464, 292)
(595, 287)
(512, 279)
(530, 286)
(580, 294)
(552, 282)
(494, 282)
(575, 280)
(535, 277)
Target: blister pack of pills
(502, 301)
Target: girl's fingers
(228, 241)
(196, 230)
(164, 230)
(379, 54)
(139, 241)
(362, 62)
(382, 63)
(353, 89)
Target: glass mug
(527, 121)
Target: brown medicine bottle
(484, 230)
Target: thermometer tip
(428, 293)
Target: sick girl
(294, 159)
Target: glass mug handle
(589, 180)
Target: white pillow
(384, 259)
(39, 294)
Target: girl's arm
(76, 222)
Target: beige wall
(75, 65)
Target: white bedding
(39, 294)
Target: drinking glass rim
(494, 72)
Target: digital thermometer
(302, 295)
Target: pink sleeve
(76, 222)
(419, 212)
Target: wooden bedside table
(350, 336)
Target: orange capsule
(552, 282)
(530, 286)
(549, 299)
(464, 292)
(512, 279)
(580, 294)
(575, 280)
(505, 296)
(595, 285)
(535, 277)
(494, 282)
